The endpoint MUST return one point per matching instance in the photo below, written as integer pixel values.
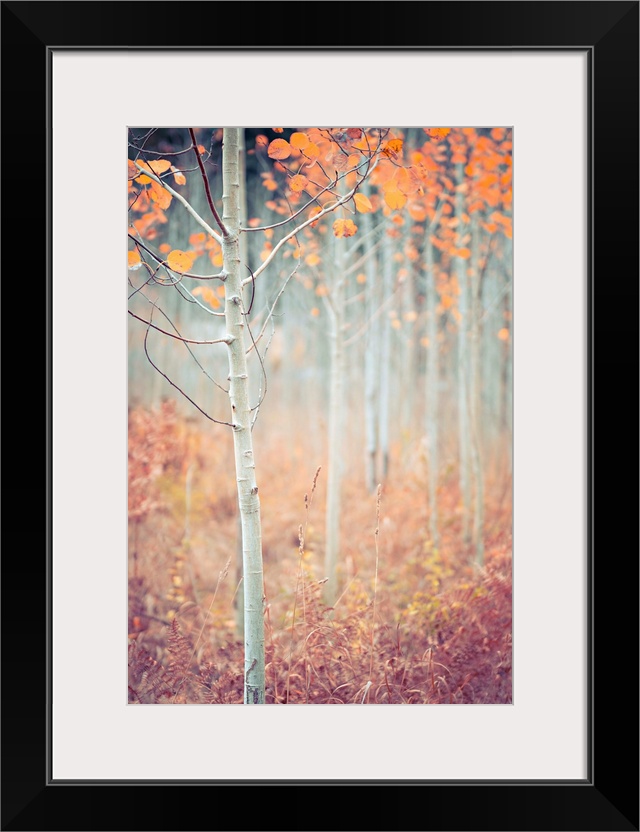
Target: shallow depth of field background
(421, 617)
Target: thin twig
(226, 340)
(173, 384)
(205, 179)
(181, 200)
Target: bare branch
(179, 389)
(200, 304)
(187, 347)
(273, 306)
(181, 200)
(160, 152)
(227, 340)
(326, 189)
(313, 200)
(220, 276)
(326, 210)
(207, 189)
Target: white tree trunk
(433, 372)
(475, 404)
(463, 381)
(385, 356)
(336, 425)
(244, 258)
(371, 363)
(249, 502)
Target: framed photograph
(550, 90)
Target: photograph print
(320, 403)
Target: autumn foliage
(394, 243)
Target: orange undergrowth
(440, 629)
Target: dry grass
(414, 624)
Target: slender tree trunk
(463, 381)
(371, 364)
(385, 357)
(243, 243)
(432, 373)
(336, 424)
(475, 403)
(248, 499)
(508, 365)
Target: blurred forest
(380, 377)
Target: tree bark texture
(248, 499)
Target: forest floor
(414, 623)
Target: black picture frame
(608, 798)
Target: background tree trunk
(432, 373)
(475, 402)
(371, 360)
(336, 422)
(463, 370)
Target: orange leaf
(363, 203)
(279, 149)
(160, 166)
(197, 238)
(179, 261)
(134, 260)
(361, 278)
(179, 178)
(392, 148)
(464, 253)
(208, 295)
(160, 196)
(503, 334)
(437, 132)
(312, 260)
(132, 170)
(164, 248)
(299, 140)
(298, 183)
(417, 212)
(344, 228)
(395, 199)
(315, 311)
(278, 129)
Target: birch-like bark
(243, 250)
(336, 423)
(475, 404)
(463, 382)
(508, 367)
(249, 502)
(385, 357)
(371, 363)
(432, 373)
